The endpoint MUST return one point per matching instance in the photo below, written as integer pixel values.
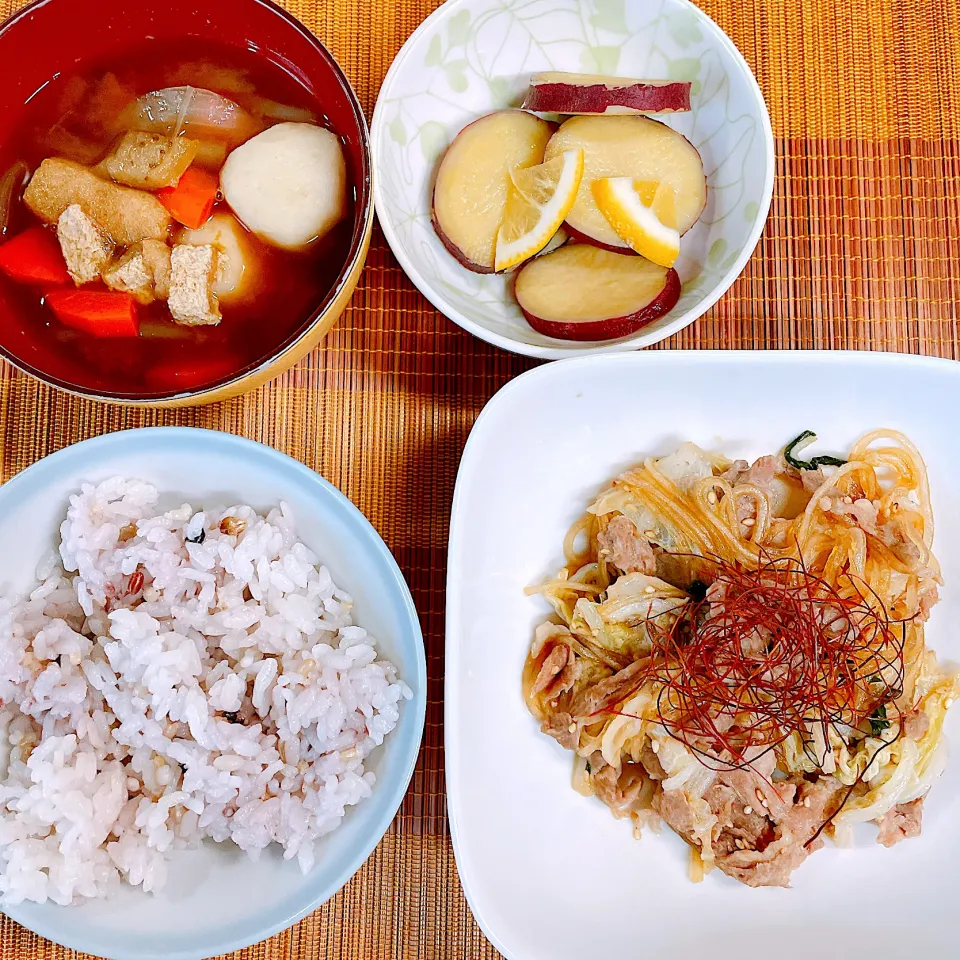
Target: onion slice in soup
(11, 186)
(202, 113)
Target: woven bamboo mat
(861, 252)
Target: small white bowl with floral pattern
(471, 57)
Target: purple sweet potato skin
(611, 328)
(597, 98)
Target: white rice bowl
(160, 687)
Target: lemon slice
(644, 214)
(539, 201)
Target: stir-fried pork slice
(762, 830)
(621, 790)
(773, 862)
(758, 475)
(558, 673)
(623, 547)
(773, 477)
(904, 821)
(862, 512)
(773, 865)
(605, 693)
(741, 824)
(562, 728)
(677, 812)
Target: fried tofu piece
(149, 161)
(143, 272)
(193, 272)
(125, 215)
(85, 249)
(156, 258)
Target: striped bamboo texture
(861, 252)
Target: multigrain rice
(175, 677)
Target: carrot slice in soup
(191, 201)
(99, 313)
(34, 256)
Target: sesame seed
(948, 703)
(572, 728)
(764, 804)
(740, 844)
(749, 522)
(655, 746)
(711, 497)
(806, 802)
(824, 503)
(650, 589)
(133, 784)
(848, 499)
(649, 534)
(758, 794)
(748, 810)
(553, 703)
(636, 832)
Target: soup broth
(81, 118)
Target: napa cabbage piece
(686, 466)
(907, 769)
(622, 623)
(624, 734)
(619, 499)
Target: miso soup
(168, 219)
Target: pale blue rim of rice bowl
(331, 873)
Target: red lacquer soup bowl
(69, 72)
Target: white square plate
(550, 875)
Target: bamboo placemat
(861, 252)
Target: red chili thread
(771, 652)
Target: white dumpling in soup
(237, 267)
(288, 184)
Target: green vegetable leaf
(879, 721)
(801, 443)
